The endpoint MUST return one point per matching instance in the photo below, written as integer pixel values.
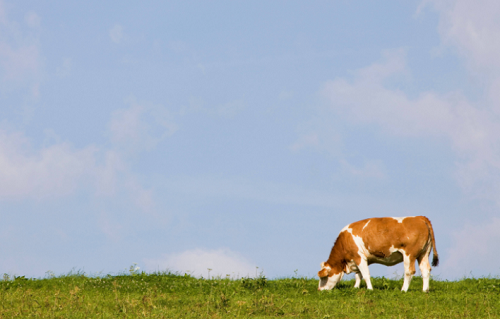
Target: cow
(387, 241)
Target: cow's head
(328, 277)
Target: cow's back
(381, 236)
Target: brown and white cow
(387, 241)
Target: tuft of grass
(173, 295)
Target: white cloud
(59, 169)
(475, 248)
(473, 133)
(141, 126)
(222, 262)
(116, 33)
(55, 170)
(365, 99)
(474, 28)
(19, 62)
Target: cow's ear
(323, 272)
(323, 265)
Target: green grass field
(166, 295)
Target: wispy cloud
(473, 132)
(59, 169)
(473, 28)
(54, 170)
(141, 126)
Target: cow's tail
(435, 257)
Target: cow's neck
(337, 257)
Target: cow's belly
(391, 260)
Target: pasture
(168, 295)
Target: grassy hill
(167, 295)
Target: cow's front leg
(358, 279)
(365, 273)
(409, 262)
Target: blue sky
(234, 135)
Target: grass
(168, 295)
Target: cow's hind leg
(358, 279)
(365, 272)
(425, 268)
(409, 262)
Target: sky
(238, 138)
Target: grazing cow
(387, 241)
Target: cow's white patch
(399, 219)
(393, 249)
(408, 273)
(346, 228)
(365, 272)
(327, 283)
(425, 268)
(358, 280)
(366, 224)
(362, 251)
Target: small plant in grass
(134, 269)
